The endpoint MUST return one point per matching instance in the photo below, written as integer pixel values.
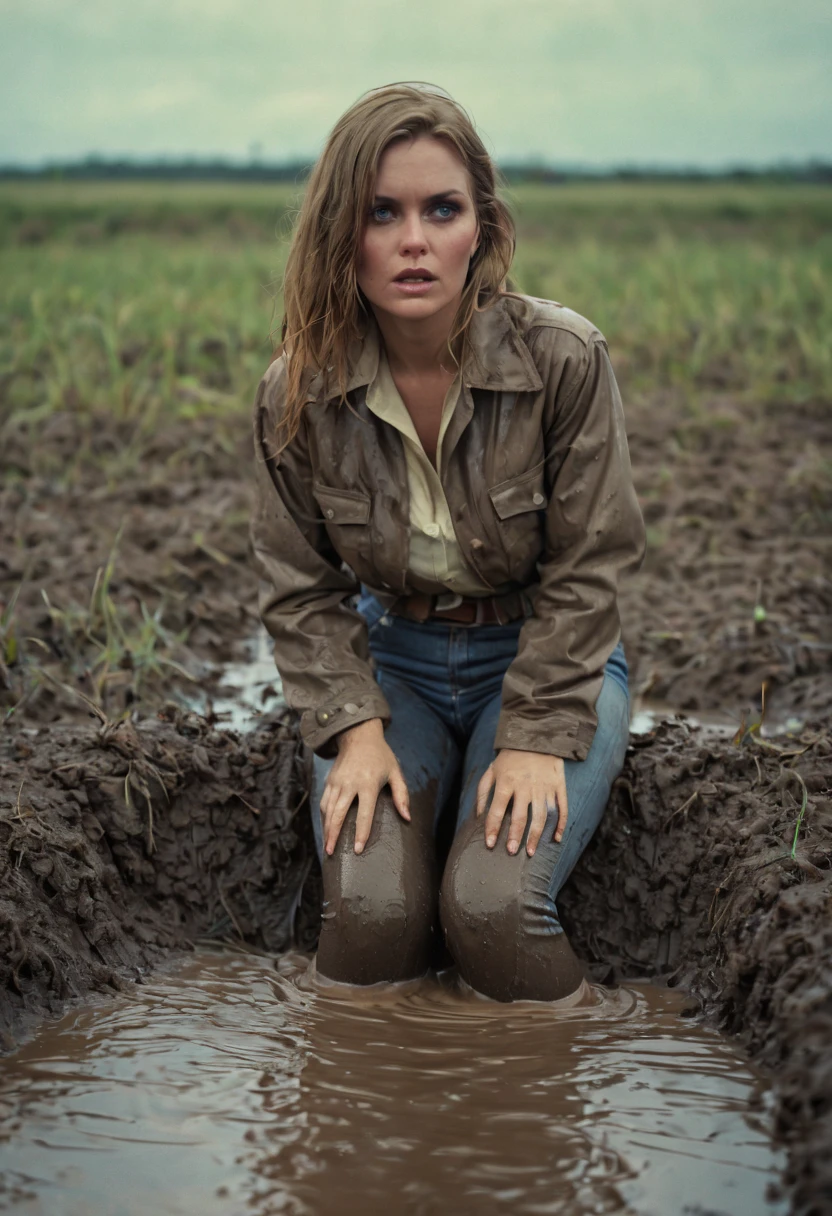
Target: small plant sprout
(760, 613)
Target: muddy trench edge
(122, 845)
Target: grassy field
(149, 299)
(137, 318)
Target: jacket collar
(497, 357)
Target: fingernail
(490, 841)
(559, 837)
(530, 852)
(512, 847)
(359, 848)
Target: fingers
(525, 780)
(401, 796)
(484, 788)
(563, 809)
(538, 823)
(519, 818)
(520, 800)
(339, 801)
(497, 810)
(366, 809)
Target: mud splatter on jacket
(538, 480)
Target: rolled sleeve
(594, 536)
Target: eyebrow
(434, 198)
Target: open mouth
(414, 276)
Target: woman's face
(421, 232)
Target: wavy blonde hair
(324, 309)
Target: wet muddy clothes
(536, 474)
(435, 557)
(443, 684)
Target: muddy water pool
(234, 1085)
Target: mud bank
(691, 879)
(120, 845)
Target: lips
(416, 274)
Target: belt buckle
(447, 601)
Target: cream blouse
(435, 555)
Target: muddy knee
(499, 924)
(379, 906)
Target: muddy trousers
(382, 909)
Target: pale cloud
(598, 81)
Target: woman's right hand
(363, 766)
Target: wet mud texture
(734, 592)
(689, 877)
(120, 844)
(381, 919)
(689, 880)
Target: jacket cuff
(565, 737)
(319, 726)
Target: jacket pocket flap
(342, 506)
(518, 494)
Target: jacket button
(330, 514)
(323, 716)
(351, 707)
(476, 543)
(538, 499)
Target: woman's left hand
(530, 779)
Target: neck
(418, 347)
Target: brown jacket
(538, 482)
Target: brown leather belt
(463, 609)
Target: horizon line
(170, 165)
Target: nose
(413, 242)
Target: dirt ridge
(121, 843)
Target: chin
(415, 309)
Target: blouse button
(431, 529)
(538, 499)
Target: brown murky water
(235, 1087)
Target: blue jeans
(443, 683)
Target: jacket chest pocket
(346, 516)
(342, 506)
(520, 505)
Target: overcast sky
(591, 81)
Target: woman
(444, 509)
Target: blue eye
(446, 210)
(376, 214)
